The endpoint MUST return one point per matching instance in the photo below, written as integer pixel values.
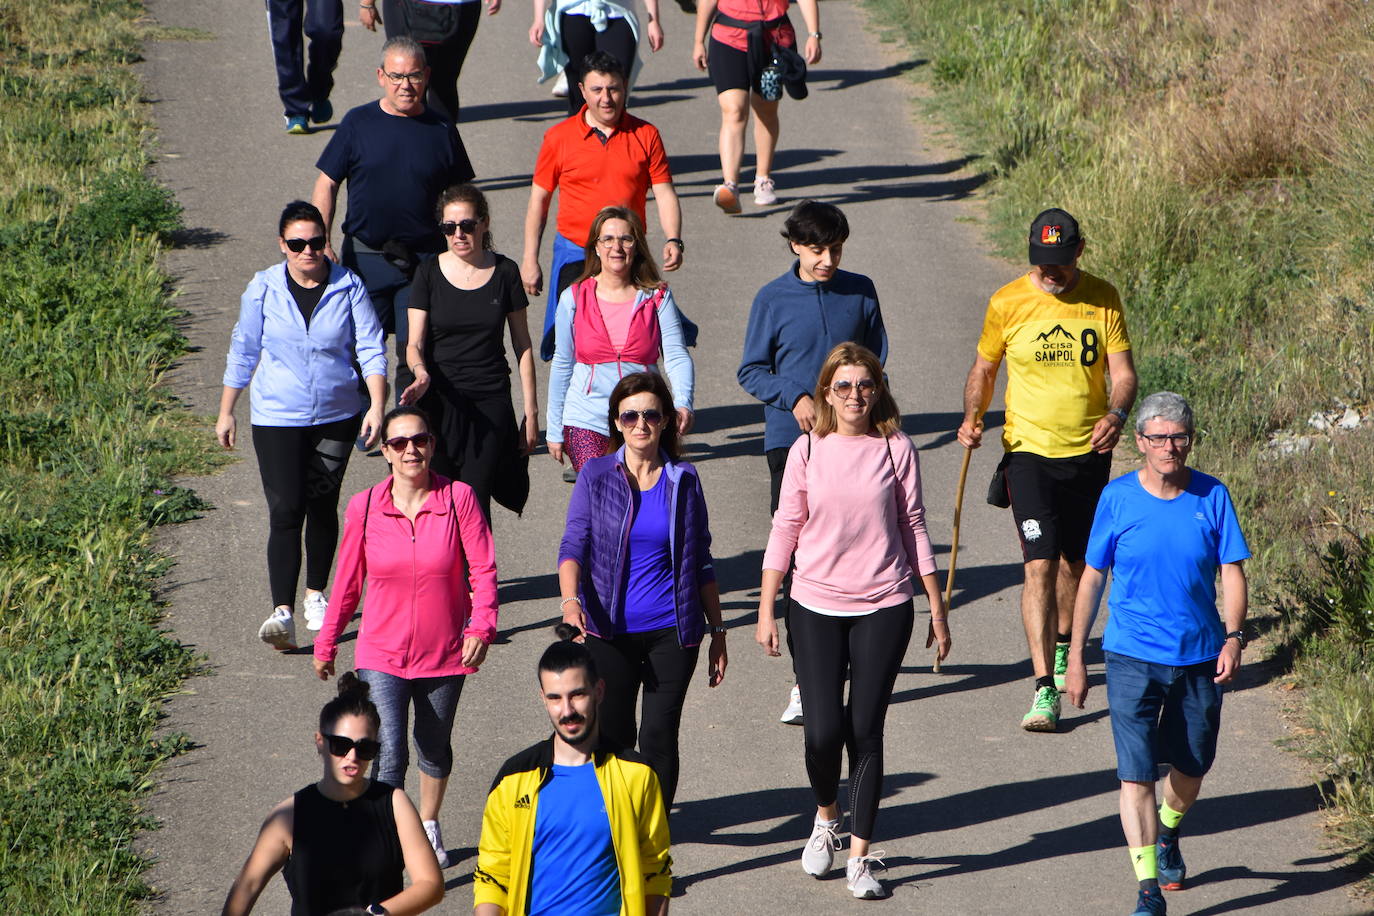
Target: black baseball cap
(1054, 238)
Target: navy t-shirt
(396, 168)
(575, 871)
(1164, 555)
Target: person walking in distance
(307, 36)
(1164, 532)
(794, 323)
(546, 845)
(1063, 334)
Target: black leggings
(656, 662)
(302, 469)
(869, 649)
(478, 437)
(444, 58)
(579, 39)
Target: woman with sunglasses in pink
(636, 575)
(422, 546)
(462, 304)
(303, 326)
(345, 840)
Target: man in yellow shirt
(1063, 334)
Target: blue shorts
(1162, 714)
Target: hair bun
(566, 632)
(350, 683)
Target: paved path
(980, 817)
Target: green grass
(89, 442)
(1217, 155)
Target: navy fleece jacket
(793, 325)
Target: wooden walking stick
(954, 540)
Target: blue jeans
(1162, 714)
(436, 702)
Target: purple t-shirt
(649, 572)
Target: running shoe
(818, 856)
(1172, 871)
(569, 474)
(1148, 903)
(436, 839)
(1061, 665)
(763, 192)
(792, 715)
(296, 124)
(858, 874)
(726, 197)
(322, 111)
(315, 605)
(560, 86)
(1044, 712)
(279, 630)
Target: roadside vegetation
(1219, 155)
(89, 441)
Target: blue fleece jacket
(793, 325)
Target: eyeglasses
(465, 226)
(367, 748)
(399, 443)
(844, 387)
(651, 416)
(1179, 440)
(609, 241)
(397, 79)
(299, 245)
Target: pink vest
(591, 340)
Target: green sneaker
(1044, 712)
(1061, 665)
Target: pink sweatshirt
(417, 611)
(856, 529)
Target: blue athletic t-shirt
(649, 601)
(575, 871)
(395, 167)
(1164, 556)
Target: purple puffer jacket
(599, 518)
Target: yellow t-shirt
(1056, 350)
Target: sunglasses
(298, 245)
(466, 226)
(631, 417)
(844, 386)
(399, 443)
(367, 748)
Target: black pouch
(399, 255)
(997, 488)
(429, 23)
(792, 67)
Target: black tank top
(343, 854)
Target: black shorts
(1053, 501)
(729, 67)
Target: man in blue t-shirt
(397, 156)
(573, 827)
(1164, 531)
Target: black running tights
(302, 469)
(869, 649)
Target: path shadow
(728, 416)
(684, 84)
(528, 588)
(742, 571)
(198, 237)
(505, 182)
(972, 583)
(957, 678)
(946, 425)
(845, 79)
(736, 446)
(709, 163)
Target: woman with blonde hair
(852, 518)
(618, 318)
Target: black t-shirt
(395, 168)
(343, 854)
(306, 297)
(465, 345)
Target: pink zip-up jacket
(417, 611)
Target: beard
(588, 732)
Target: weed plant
(1218, 154)
(88, 444)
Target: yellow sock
(1168, 816)
(1143, 860)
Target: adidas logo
(522, 802)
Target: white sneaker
(315, 606)
(763, 192)
(818, 856)
(792, 715)
(560, 86)
(858, 874)
(279, 630)
(436, 839)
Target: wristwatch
(1119, 413)
(1239, 636)
(681, 245)
(815, 35)
(376, 909)
(718, 630)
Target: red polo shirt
(590, 174)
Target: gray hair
(1166, 406)
(403, 44)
